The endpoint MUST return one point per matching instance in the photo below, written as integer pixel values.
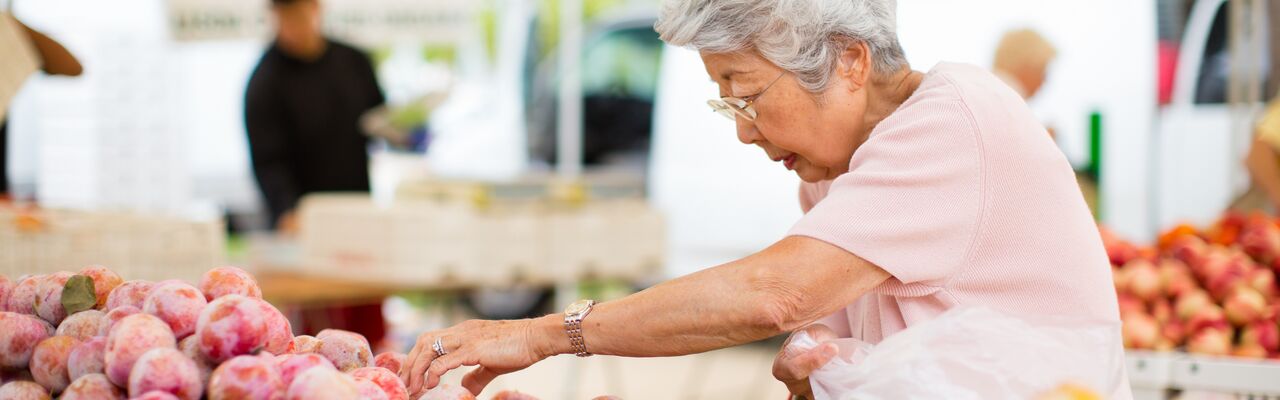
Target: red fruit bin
(149, 247)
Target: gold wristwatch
(573, 316)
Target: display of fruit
(1207, 291)
(93, 336)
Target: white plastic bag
(975, 353)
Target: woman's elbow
(778, 310)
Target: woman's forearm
(791, 284)
(1264, 169)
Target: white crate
(1155, 375)
(134, 246)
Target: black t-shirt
(302, 119)
(4, 162)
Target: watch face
(577, 307)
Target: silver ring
(438, 346)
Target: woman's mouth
(789, 162)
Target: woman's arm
(1264, 169)
(55, 59)
(784, 287)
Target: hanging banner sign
(358, 21)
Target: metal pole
(569, 121)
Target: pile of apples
(1210, 291)
(92, 335)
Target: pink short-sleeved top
(964, 199)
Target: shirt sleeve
(912, 199)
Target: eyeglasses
(734, 107)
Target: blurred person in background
(54, 60)
(919, 188)
(302, 113)
(1022, 61)
(1263, 163)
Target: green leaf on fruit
(78, 294)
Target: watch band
(573, 327)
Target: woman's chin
(810, 174)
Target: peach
(129, 293)
(1143, 279)
(513, 395)
(6, 286)
(1244, 305)
(279, 331)
(92, 387)
(222, 281)
(1140, 331)
(292, 365)
(129, 339)
(190, 347)
(1249, 350)
(369, 391)
(18, 339)
(305, 344)
(1215, 342)
(87, 358)
(49, 362)
(166, 370)
(23, 390)
(177, 304)
(246, 377)
(104, 281)
(1190, 304)
(114, 316)
(83, 325)
(1209, 317)
(322, 384)
(22, 299)
(1265, 334)
(156, 395)
(231, 325)
(348, 350)
(49, 297)
(390, 360)
(446, 391)
(606, 398)
(1129, 304)
(1263, 280)
(388, 382)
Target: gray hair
(804, 37)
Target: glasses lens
(722, 108)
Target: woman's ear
(854, 64)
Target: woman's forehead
(722, 67)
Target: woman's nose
(747, 132)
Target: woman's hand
(793, 367)
(497, 347)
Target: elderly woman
(922, 191)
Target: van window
(1215, 65)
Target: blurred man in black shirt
(302, 112)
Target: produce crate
(429, 243)
(1160, 376)
(137, 246)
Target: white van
(1201, 139)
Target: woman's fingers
(442, 365)
(800, 366)
(417, 375)
(412, 359)
(476, 380)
